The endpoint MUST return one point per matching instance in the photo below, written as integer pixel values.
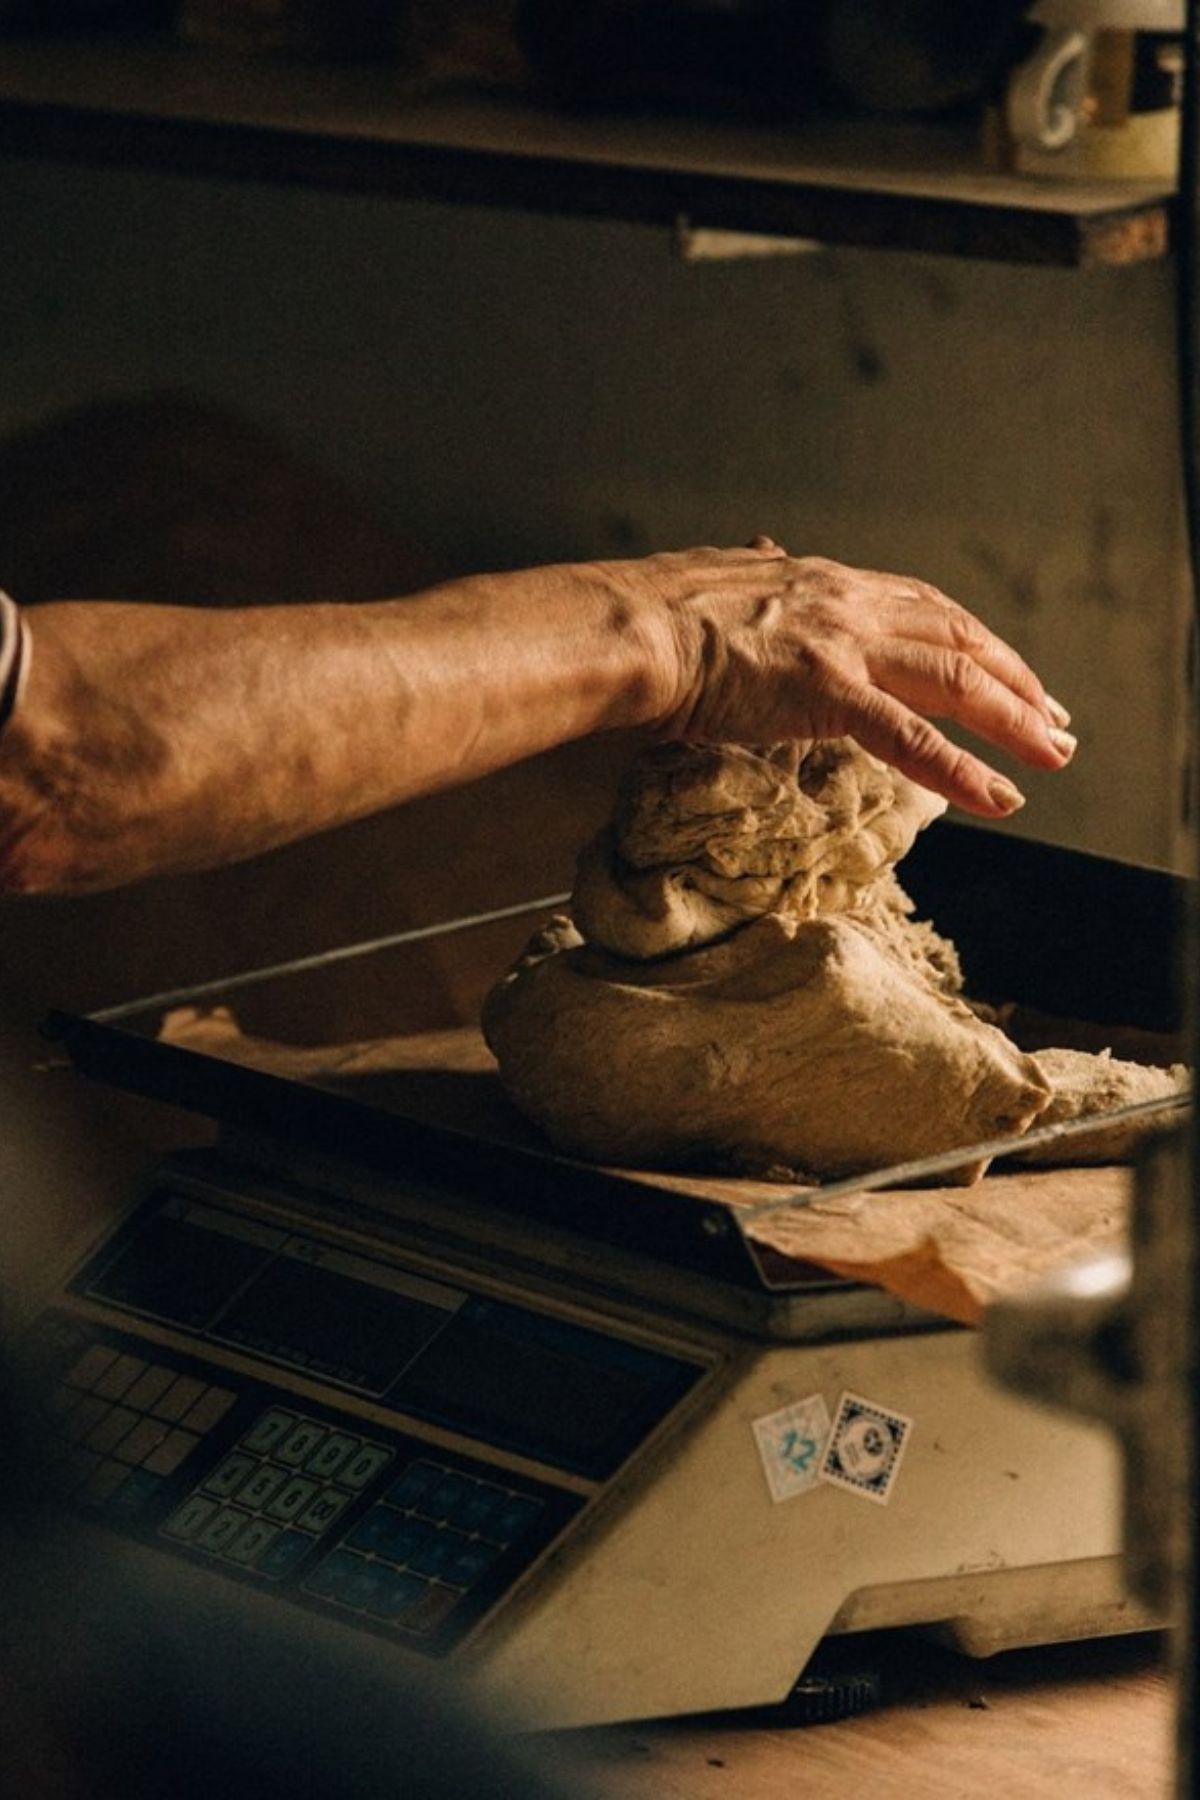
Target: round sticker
(865, 1448)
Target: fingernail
(1057, 711)
(1064, 743)
(1003, 794)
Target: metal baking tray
(1078, 936)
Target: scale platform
(380, 1361)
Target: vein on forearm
(167, 738)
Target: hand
(764, 647)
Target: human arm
(152, 739)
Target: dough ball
(804, 1044)
(708, 837)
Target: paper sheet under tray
(949, 1250)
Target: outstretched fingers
(952, 684)
(931, 617)
(913, 744)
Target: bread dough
(706, 837)
(792, 1048)
(1087, 1085)
(741, 985)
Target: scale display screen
(312, 1496)
(576, 1399)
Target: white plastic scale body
(470, 1426)
(555, 1467)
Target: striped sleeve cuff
(15, 657)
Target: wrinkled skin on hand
(767, 647)
(154, 739)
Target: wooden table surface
(1076, 1722)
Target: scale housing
(466, 1401)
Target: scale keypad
(301, 1500)
(432, 1536)
(289, 1473)
(115, 1414)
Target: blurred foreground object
(1114, 1339)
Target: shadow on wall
(167, 498)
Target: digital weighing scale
(383, 1362)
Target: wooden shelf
(121, 102)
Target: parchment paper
(948, 1250)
